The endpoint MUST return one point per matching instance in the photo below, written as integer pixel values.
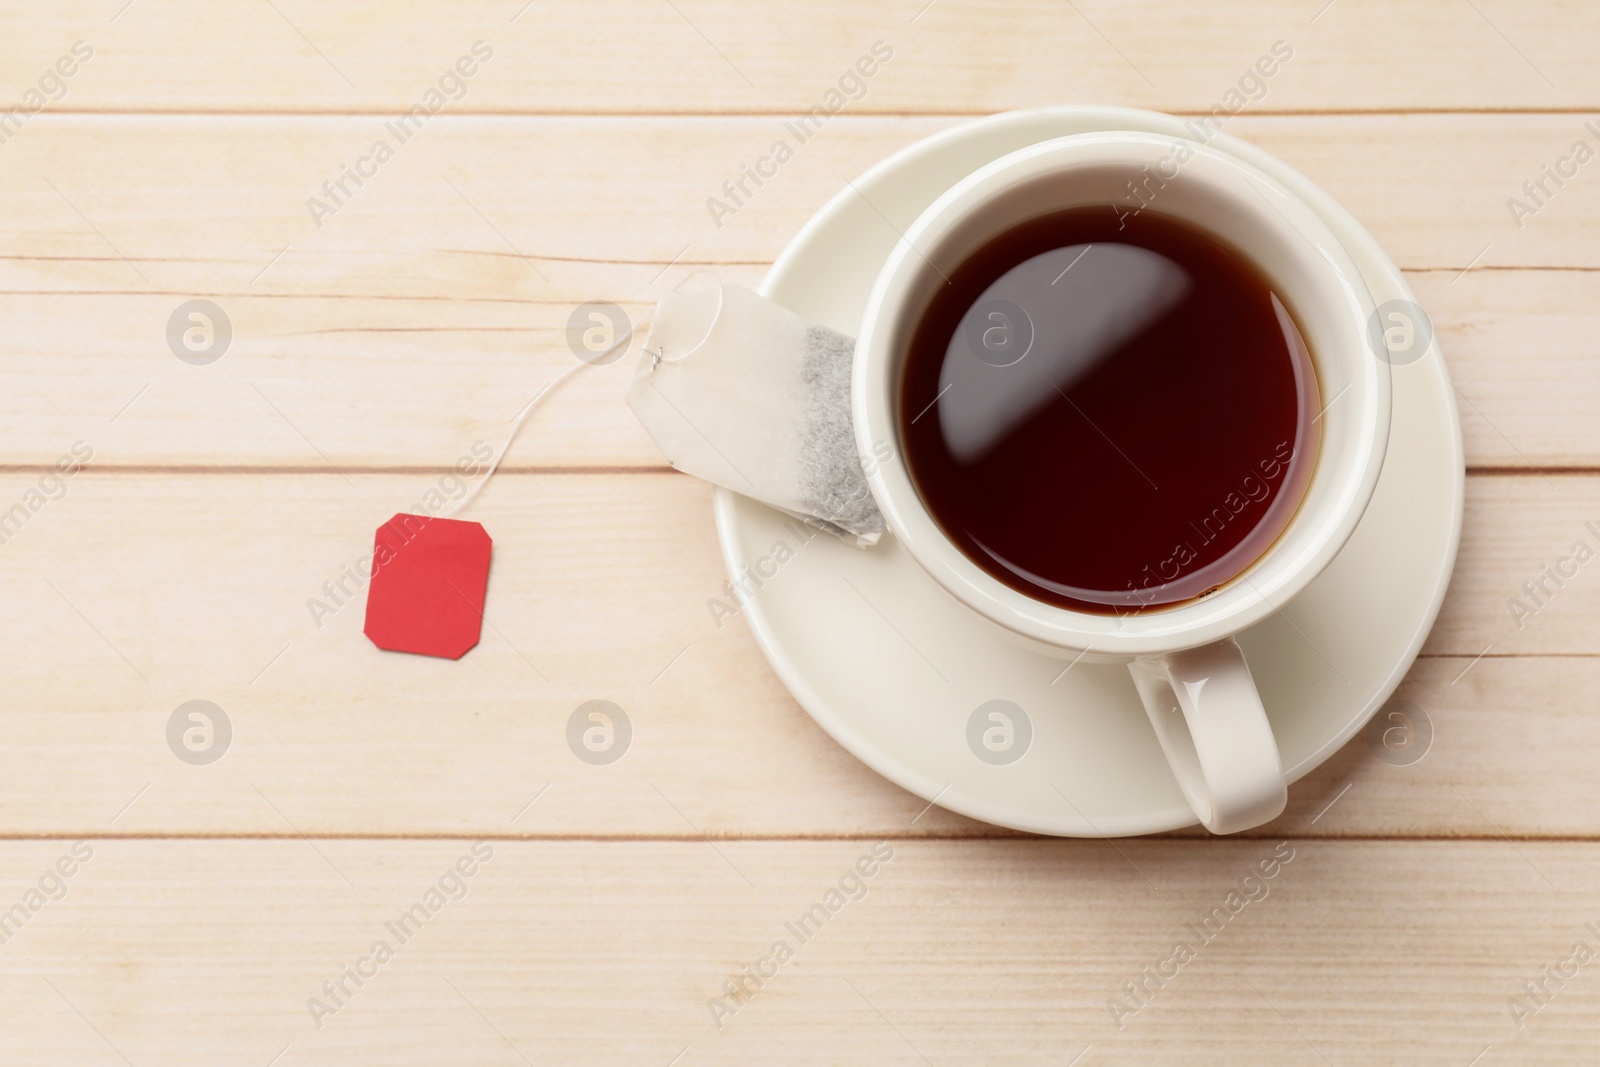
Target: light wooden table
(369, 353)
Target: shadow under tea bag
(750, 396)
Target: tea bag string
(516, 427)
(554, 383)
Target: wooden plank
(205, 952)
(720, 56)
(582, 197)
(409, 327)
(1522, 584)
(378, 382)
(145, 591)
(1525, 362)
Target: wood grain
(529, 209)
(430, 378)
(425, 313)
(148, 590)
(719, 56)
(952, 952)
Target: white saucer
(893, 667)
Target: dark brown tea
(1109, 414)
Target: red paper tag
(429, 578)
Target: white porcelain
(1210, 721)
(894, 668)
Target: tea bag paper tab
(429, 579)
(750, 396)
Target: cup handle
(1208, 716)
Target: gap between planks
(1580, 471)
(280, 469)
(996, 833)
(770, 112)
(1453, 270)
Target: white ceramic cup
(1186, 665)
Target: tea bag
(750, 396)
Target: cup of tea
(1132, 412)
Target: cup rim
(1272, 579)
